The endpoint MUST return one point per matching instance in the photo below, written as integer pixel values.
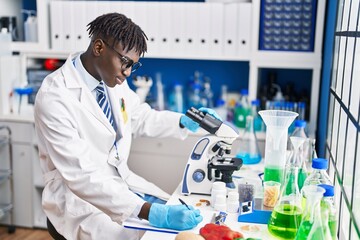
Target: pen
(183, 203)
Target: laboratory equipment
(271, 193)
(207, 95)
(286, 216)
(314, 223)
(233, 202)
(24, 92)
(242, 109)
(258, 123)
(207, 162)
(319, 174)
(277, 123)
(220, 203)
(249, 150)
(296, 159)
(5, 39)
(30, 26)
(279, 25)
(246, 197)
(218, 188)
(328, 204)
(143, 85)
(9, 23)
(299, 131)
(160, 100)
(194, 96)
(310, 154)
(176, 100)
(221, 109)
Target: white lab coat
(88, 192)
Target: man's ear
(98, 47)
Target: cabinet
(6, 179)
(289, 60)
(27, 178)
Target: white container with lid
(5, 41)
(233, 202)
(218, 188)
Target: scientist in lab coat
(89, 189)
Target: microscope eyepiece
(206, 121)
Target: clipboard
(141, 224)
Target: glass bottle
(314, 224)
(258, 123)
(242, 110)
(318, 174)
(301, 110)
(207, 95)
(286, 216)
(176, 100)
(195, 96)
(248, 150)
(328, 204)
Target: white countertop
(255, 230)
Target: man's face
(116, 65)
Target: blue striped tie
(104, 103)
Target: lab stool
(52, 231)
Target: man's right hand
(176, 217)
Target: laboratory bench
(253, 230)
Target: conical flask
(277, 123)
(286, 216)
(248, 149)
(314, 224)
(296, 159)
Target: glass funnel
(296, 159)
(277, 123)
(314, 224)
(286, 216)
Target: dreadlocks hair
(121, 29)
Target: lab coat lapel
(116, 110)
(76, 85)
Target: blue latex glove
(176, 217)
(193, 126)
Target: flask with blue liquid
(249, 150)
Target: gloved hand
(176, 217)
(194, 126)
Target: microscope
(207, 162)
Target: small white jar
(218, 188)
(233, 202)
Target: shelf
(282, 59)
(35, 51)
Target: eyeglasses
(125, 61)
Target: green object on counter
(273, 174)
(285, 221)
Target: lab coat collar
(76, 85)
